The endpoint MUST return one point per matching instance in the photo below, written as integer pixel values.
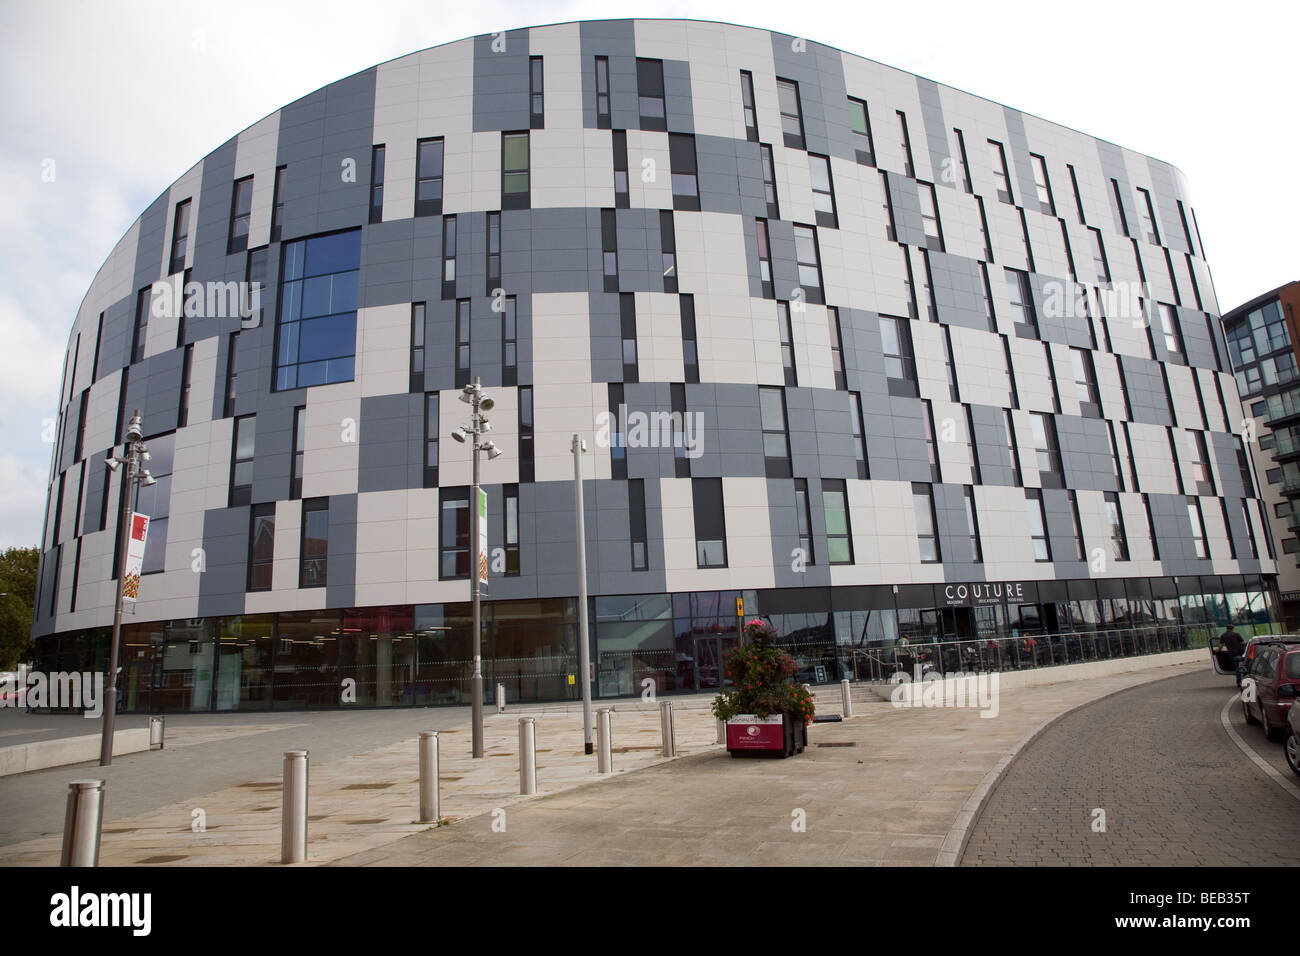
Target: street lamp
(134, 455)
(473, 396)
(584, 653)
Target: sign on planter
(750, 732)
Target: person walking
(1232, 641)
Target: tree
(18, 585)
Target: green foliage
(763, 677)
(18, 584)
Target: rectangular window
(1199, 457)
(668, 249)
(1078, 199)
(837, 347)
(182, 414)
(431, 439)
(677, 399)
(299, 451)
(764, 259)
(905, 141)
(1046, 449)
(1198, 527)
(602, 92)
(839, 536)
(255, 271)
(609, 247)
(621, 196)
(809, 263)
(803, 519)
(241, 460)
(277, 205)
(261, 546)
(984, 229)
(1029, 250)
(454, 534)
(536, 102)
(637, 524)
(747, 105)
(1114, 456)
(140, 332)
(510, 516)
(786, 333)
(710, 523)
(314, 547)
(493, 252)
(317, 331)
(1119, 207)
(859, 440)
(926, 536)
(949, 365)
(1118, 538)
(462, 343)
(964, 161)
(428, 176)
(1013, 449)
(860, 123)
(1250, 529)
(819, 168)
(417, 346)
(986, 292)
(690, 350)
(1037, 524)
(617, 445)
(972, 447)
(972, 525)
(180, 237)
(891, 230)
(1172, 330)
(1099, 258)
(377, 183)
(627, 331)
(1078, 527)
(930, 216)
(1022, 304)
(769, 181)
(509, 342)
(776, 442)
(1085, 383)
(1148, 214)
(232, 375)
(449, 257)
(650, 94)
(526, 433)
(998, 161)
(1227, 528)
(1042, 185)
(241, 207)
(896, 347)
(931, 450)
(787, 95)
(685, 174)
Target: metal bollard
(81, 823)
(429, 809)
(604, 741)
(722, 731)
(666, 727)
(156, 733)
(846, 694)
(293, 813)
(527, 755)
(501, 698)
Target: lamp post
(134, 455)
(473, 396)
(584, 654)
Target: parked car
(1248, 652)
(1292, 743)
(1274, 677)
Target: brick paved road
(1176, 790)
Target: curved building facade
(853, 351)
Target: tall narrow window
(786, 332)
(313, 567)
(627, 331)
(710, 523)
(984, 229)
(1119, 207)
(930, 216)
(510, 531)
(839, 535)
(1029, 249)
(769, 181)
(1227, 528)
(972, 447)
(1042, 186)
(526, 468)
(317, 332)
(299, 451)
(1118, 538)
(1151, 528)
(1173, 333)
(377, 183)
(602, 92)
(837, 347)
(232, 375)
(787, 95)
(677, 399)
(1100, 264)
(972, 525)
(462, 342)
(431, 439)
(180, 237)
(509, 342)
(864, 149)
(964, 161)
(255, 272)
(1250, 529)
(986, 293)
(1047, 450)
(1148, 214)
(905, 141)
(277, 205)
(685, 173)
(637, 523)
(1022, 304)
(809, 263)
(998, 160)
(1013, 448)
(493, 252)
(454, 532)
(428, 177)
(887, 203)
(140, 333)
(617, 443)
(241, 460)
(609, 247)
(261, 546)
(803, 520)
(1085, 383)
(747, 105)
(690, 349)
(241, 207)
(927, 537)
(417, 346)
(622, 200)
(1198, 527)
(931, 450)
(1078, 526)
(1199, 457)
(650, 94)
(776, 442)
(896, 348)
(668, 249)
(536, 102)
(1078, 199)
(950, 367)
(1037, 524)
(819, 169)
(449, 257)
(764, 259)
(1116, 467)
(859, 439)
(182, 414)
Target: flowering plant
(763, 677)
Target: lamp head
(492, 451)
(135, 428)
(486, 405)
(459, 434)
(147, 479)
(112, 463)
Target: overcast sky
(126, 96)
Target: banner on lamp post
(139, 531)
(481, 559)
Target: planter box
(776, 736)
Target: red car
(1270, 687)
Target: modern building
(853, 351)
(1262, 336)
